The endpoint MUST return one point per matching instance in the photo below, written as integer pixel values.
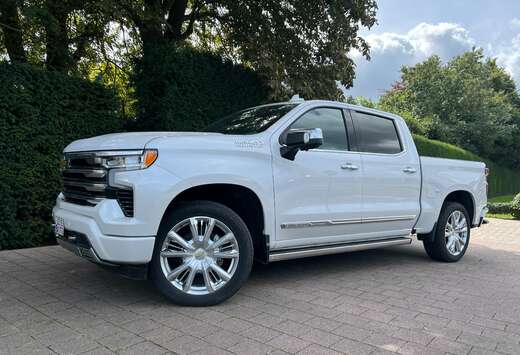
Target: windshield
(251, 120)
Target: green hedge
(500, 207)
(502, 181)
(40, 113)
(179, 88)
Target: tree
(299, 45)
(469, 102)
(57, 33)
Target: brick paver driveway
(381, 301)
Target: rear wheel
(451, 237)
(203, 254)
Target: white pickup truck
(192, 210)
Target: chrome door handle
(409, 170)
(349, 166)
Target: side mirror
(301, 139)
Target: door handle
(349, 166)
(409, 170)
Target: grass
(499, 215)
(504, 198)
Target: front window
(251, 120)
(332, 125)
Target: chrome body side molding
(336, 222)
(335, 248)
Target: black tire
(245, 247)
(437, 248)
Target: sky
(410, 31)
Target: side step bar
(335, 249)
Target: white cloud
(509, 57)
(514, 23)
(390, 51)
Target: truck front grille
(85, 182)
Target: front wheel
(451, 237)
(203, 254)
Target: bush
(502, 181)
(40, 113)
(180, 88)
(500, 207)
(515, 207)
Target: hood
(124, 141)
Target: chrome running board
(305, 252)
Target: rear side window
(332, 124)
(376, 134)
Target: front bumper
(78, 244)
(114, 249)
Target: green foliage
(501, 180)
(469, 102)
(515, 207)
(300, 45)
(40, 113)
(179, 88)
(502, 198)
(500, 207)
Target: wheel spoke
(225, 239)
(456, 216)
(231, 254)
(194, 228)
(172, 276)
(221, 272)
(189, 279)
(175, 254)
(207, 279)
(450, 243)
(463, 229)
(457, 245)
(208, 231)
(180, 240)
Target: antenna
(296, 98)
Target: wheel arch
(462, 196)
(465, 198)
(241, 199)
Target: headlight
(129, 159)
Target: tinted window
(331, 122)
(377, 134)
(251, 120)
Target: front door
(318, 195)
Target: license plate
(59, 227)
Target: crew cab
(192, 210)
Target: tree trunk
(10, 25)
(57, 46)
(151, 25)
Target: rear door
(391, 176)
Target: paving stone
(374, 302)
(317, 350)
(146, 347)
(353, 347)
(251, 347)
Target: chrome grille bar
(85, 182)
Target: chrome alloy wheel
(199, 255)
(456, 232)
